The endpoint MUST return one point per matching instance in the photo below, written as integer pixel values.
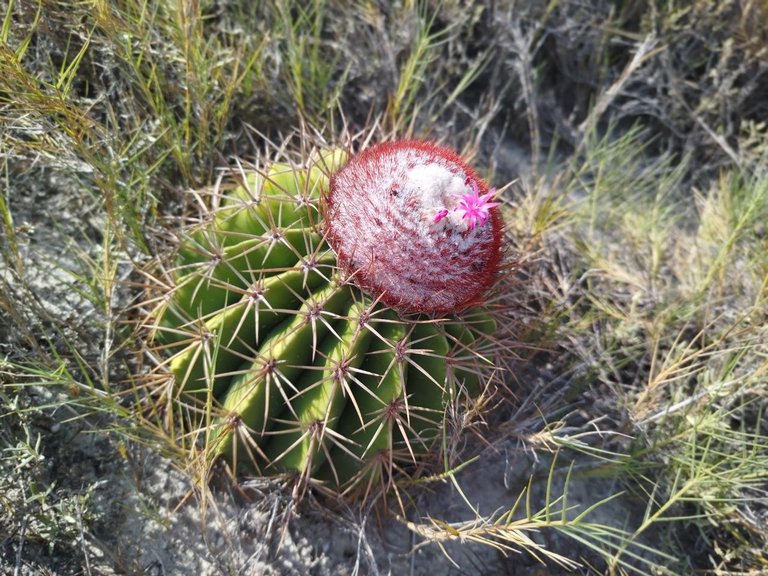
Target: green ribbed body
(282, 366)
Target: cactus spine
(306, 328)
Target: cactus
(321, 320)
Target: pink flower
(475, 207)
(440, 215)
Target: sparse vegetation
(633, 437)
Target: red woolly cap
(411, 223)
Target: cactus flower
(476, 208)
(403, 226)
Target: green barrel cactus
(321, 318)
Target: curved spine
(426, 390)
(465, 361)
